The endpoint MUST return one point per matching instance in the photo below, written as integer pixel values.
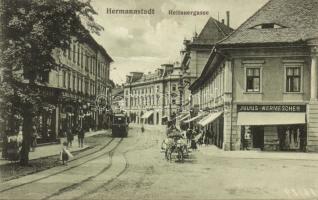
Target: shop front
(212, 126)
(272, 127)
(148, 117)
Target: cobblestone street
(134, 168)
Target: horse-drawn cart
(175, 146)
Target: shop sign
(271, 108)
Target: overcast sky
(143, 42)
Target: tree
(33, 30)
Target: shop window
(293, 79)
(253, 79)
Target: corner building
(267, 96)
(153, 98)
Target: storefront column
(312, 113)
(228, 138)
(57, 116)
(313, 78)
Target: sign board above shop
(271, 108)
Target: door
(258, 136)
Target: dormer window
(267, 26)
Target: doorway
(257, 136)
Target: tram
(120, 125)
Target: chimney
(222, 21)
(228, 18)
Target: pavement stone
(214, 151)
(54, 149)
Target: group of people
(80, 132)
(198, 136)
(13, 143)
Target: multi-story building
(196, 53)
(83, 81)
(260, 83)
(77, 91)
(153, 98)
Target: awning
(270, 118)
(181, 115)
(210, 118)
(194, 118)
(147, 114)
(185, 117)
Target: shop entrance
(257, 136)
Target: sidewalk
(212, 150)
(54, 149)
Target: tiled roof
(299, 17)
(212, 32)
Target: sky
(144, 42)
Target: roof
(214, 60)
(212, 32)
(297, 21)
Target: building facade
(197, 51)
(78, 90)
(268, 98)
(153, 98)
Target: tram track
(126, 167)
(91, 178)
(64, 170)
(76, 185)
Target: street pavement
(134, 168)
(54, 149)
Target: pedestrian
(65, 154)
(80, 136)
(33, 138)
(69, 137)
(188, 134)
(247, 137)
(20, 137)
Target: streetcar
(120, 125)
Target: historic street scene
(136, 99)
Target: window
(174, 87)
(78, 82)
(253, 79)
(74, 82)
(69, 53)
(78, 54)
(69, 80)
(64, 79)
(267, 26)
(173, 101)
(82, 57)
(293, 77)
(74, 52)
